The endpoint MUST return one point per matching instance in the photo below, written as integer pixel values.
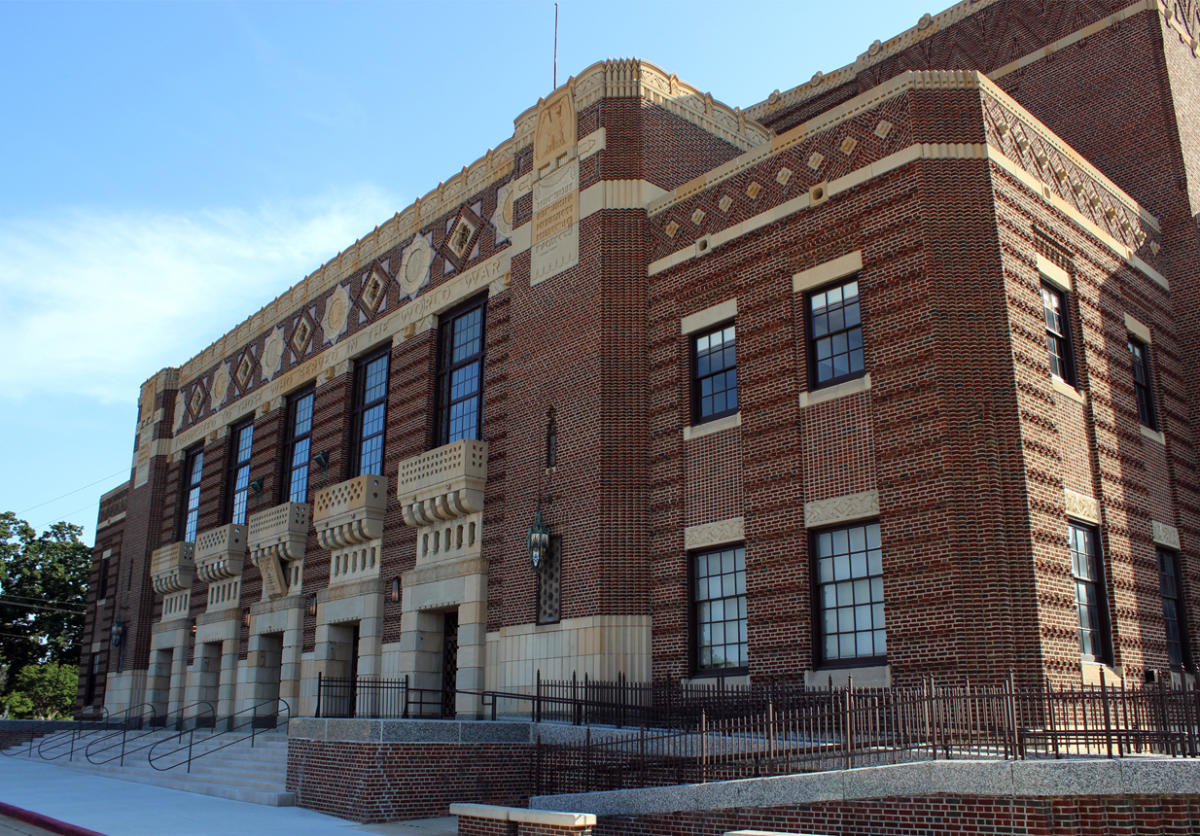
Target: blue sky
(167, 168)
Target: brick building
(895, 372)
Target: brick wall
(376, 782)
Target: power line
(43, 609)
(26, 598)
(72, 493)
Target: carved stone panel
(854, 506)
(555, 133)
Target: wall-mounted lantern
(539, 540)
(394, 591)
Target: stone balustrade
(278, 536)
(443, 484)
(172, 568)
(351, 512)
(221, 552)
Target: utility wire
(43, 609)
(28, 600)
(72, 493)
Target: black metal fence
(848, 727)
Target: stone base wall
(932, 815)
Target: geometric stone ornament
(671, 229)
(196, 401)
(220, 386)
(814, 161)
(838, 509)
(461, 237)
(698, 216)
(783, 175)
(502, 218)
(337, 314)
(725, 203)
(1165, 535)
(848, 145)
(374, 289)
(244, 372)
(753, 189)
(883, 129)
(302, 334)
(272, 356)
(415, 264)
(714, 534)
(1081, 507)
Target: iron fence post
(319, 690)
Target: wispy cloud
(94, 302)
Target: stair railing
(235, 732)
(53, 747)
(204, 716)
(132, 719)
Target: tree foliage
(43, 586)
(43, 692)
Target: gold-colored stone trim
(854, 506)
(1081, 507)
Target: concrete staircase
(256, 774)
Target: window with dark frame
(238, 488)
(1140, 355)
(102, 580)
(298, 447)
(1058, 333)
(462, 338)
(370, 413)
(193, 469)
(719, 609)
(848, 562)
(549, 584)
(1087, 568)
(714, 374)
(1170, 584)
(835, 340)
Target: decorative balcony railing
(441, 493)
(172, 568)
(220, 553)
(278, 536)
(350, 512)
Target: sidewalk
(124, 808)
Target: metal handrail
(126, 722)
(35, 731)
(154, 758)
(74, 735)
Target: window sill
(730, 677)
(710, 427)
(1153, 435)
(838, 390)
(1064, 388)
(869, 676)
(1093, 673)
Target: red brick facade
(956, 197)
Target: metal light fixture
(118, 632)
(321, 460)
(246, 617)
(394, 591)
(257, 487)
(539, 540)
(312, 604)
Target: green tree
(43, 692)
(43, 586)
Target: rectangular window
(462, 339)
(549, 584)
(835, 340)
(719, 608)
(238, 488)
(714, 374)
(1140, 355)
(189, 505)
(102, 581)
(1058, 333)
(370, 414)
(1088, 571)
(849, 569)
(298, 447)
(1169, 583)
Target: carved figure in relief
(555, 130)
